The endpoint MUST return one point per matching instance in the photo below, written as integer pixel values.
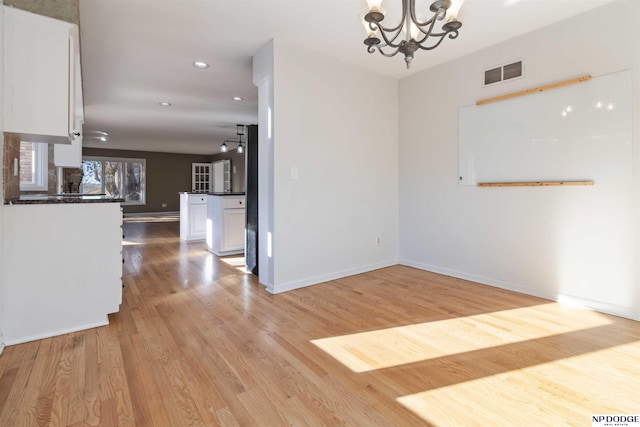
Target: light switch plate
(294, 172)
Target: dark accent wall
(237, 160)
(251, 200)
(167, 174)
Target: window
(114, 177)
(34, 166)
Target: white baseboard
(599, 306)
(1, 344)
(21, 340)
(296, 284)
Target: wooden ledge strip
(533, 183)
(535, 90)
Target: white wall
(337, 124)
(580, 242)
(1, 162)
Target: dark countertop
(43, 199)
(213, 194)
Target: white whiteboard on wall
(574, 133)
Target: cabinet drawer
(232, 203)
(197, 200)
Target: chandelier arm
(453, 35)
(388, 29)
(428, 33)
(441, 38)
(417, 22)
(390, 41)
(372, 49)
(397, 28)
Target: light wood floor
(199, 342)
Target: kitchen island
(61, 265)
(226, 223)
(193, 214)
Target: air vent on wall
(503, 72)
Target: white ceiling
(137, 53)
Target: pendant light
(240, 134)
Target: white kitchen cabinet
(70, 155)
(193, 216)
(226, 214)
(61, 268)
(42, 83)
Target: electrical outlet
(378, 241)
(164, 205)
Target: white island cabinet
(61, 268)
(225, 224)
(193, 216)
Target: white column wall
(335, 126)
(263, 78)
(581, 243)
(1, 163)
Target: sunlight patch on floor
(128, 243)
(384, 348)
(152, 218)
(586, 382)
(235, 262)
(481, 403)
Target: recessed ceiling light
(237, 98)
(165, 104)
(201, 65)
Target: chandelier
(418, 33)
(239, 133)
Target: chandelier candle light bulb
(417, 31)
(454, 10)
(375, 5)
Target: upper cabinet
(70, 156)
(42, 80)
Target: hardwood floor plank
(29, 414)
(77, 412)
(226, 418)
(15, 403)
(145, 390)
(60, 404)
(200, 342)
(6, 386)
